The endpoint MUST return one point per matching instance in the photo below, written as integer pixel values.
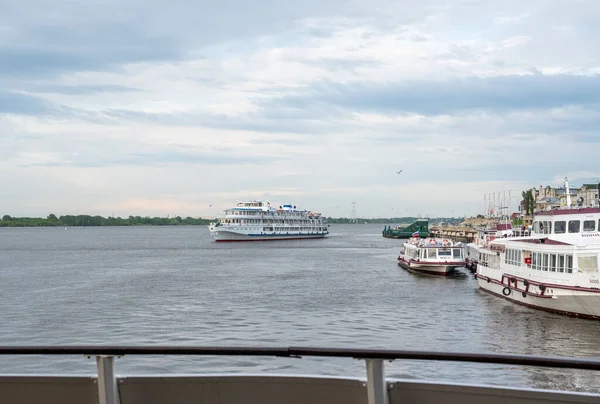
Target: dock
(460, 234)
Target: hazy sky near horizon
(155, 108)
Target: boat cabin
(571, 226)
(250, 204)
(434, 250)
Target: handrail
(295, 352)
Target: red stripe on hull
(516, 289)
(567, 212)
(270, 239)
(403, 265)
(546, 309)
(548, 285)
(430, 272)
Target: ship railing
(377, 388)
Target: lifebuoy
(506, 291)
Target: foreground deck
(107, 388)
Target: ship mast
(568, 193)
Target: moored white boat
(255, 220)
(431, 256)
(484, 237)
(554, 269)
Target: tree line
(88, 220)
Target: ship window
(560, 267)
(553, 262)
(456, 253)
(574, 226)
(587, 263)
(513, 257)
(589, 225)
(545, 262)
(569, 263)
(560, 227)
(444, 253)
(534, 260)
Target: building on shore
(547, 198)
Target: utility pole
(353, 214)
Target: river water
(175, 286)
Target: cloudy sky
(153, 107)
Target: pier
(460, 234)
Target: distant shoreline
(97, 221)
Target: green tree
(6, 217)
(528, 201)
(52, 216)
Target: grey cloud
(501, 93)
(34, 62)
(167, 157)
(279, 121)
(17, 103)
(79, 89)
(339, 64)
(55, 38)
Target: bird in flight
(398, 172)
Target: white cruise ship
(254, 220)
(554, 269)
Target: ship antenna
(567, 192)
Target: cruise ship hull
(221, 235)
(429, 268)
(560, 299)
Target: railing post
(108, 392)
(376, 384)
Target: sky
(155, 108)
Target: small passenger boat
(431, 255)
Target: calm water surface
(174, 285)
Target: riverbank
(87, 220)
